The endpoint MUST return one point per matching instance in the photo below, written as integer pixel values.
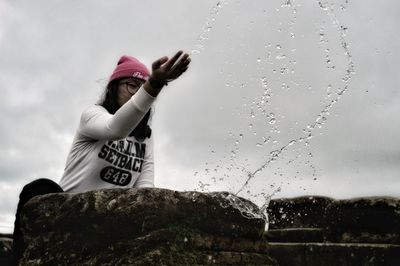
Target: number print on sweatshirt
(126, 156)
(115, 176)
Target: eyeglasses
(132, 87)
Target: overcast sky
(300, 96)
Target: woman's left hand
(165, 70)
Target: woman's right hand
(165, 70)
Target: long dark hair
(110, 102)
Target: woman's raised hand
(165, 70)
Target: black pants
(35, 188)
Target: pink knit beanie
(129, 66)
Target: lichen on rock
(141, 227)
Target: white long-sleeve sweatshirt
(104, 156)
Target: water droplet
(265, 140)
(278, 46)
(258, 59)
(264, 82)
(285, 86)
(280, 56)
(272, 121)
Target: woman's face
(127, 87)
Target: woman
(113, 144)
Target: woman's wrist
(156, 84)
(153, 91)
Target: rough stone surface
(359, 220)
(299, 212)
(133, 212)
(363, 231)
(142, 227)
(334, 254)
(172, 246)
(297, 235)
(164, 227)
(364, 220)
(5, 249)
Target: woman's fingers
(173, 62)
(180, 67)
(168, 65)
(165, 70)
(157, 64)
(183, 62)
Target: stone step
(357, 220)
(305, 211)
(364, 220)
(295, 235)
(333, 254)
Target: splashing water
(324, 113)
(261, 106)
(246, 210)
(207, 27)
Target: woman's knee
(38, 187)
